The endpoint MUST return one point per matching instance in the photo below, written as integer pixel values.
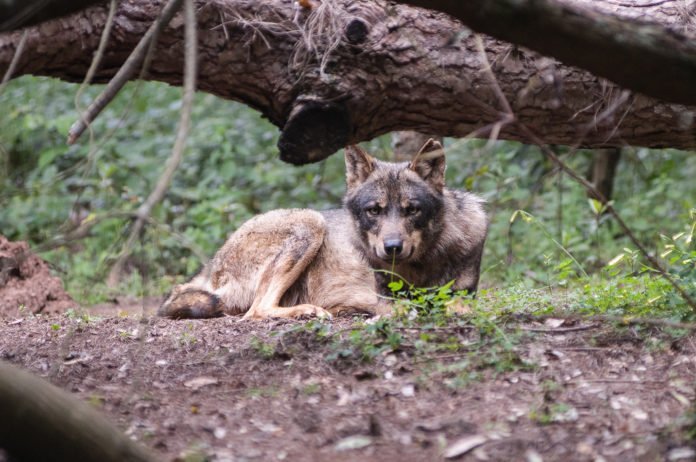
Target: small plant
(96, 400)
(79, 316)
(262, 348)
(529, 218)
(554, 412)
(187, 338)
(311, 389)
(262, 392)
(373, 340)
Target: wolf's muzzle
(393, 247)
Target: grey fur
(288, 263)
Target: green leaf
(396, 286)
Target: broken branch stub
(314, 131)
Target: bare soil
(26, 284)
(214, 389)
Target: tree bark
(406, 144)
(20, 13)
(42, 423)
(603, 171)
(345, 71)
(600, 37)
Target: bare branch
(639, 55)
(174, 160)
(13, 64)
(99, 54)
(125, 72)
(589, 187)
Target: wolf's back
(191, 303)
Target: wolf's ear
(430, 165)
(359, 165)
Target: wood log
(43, 423)
(346, 71)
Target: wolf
(397, 220)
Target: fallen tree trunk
(342, 71)
(42, 423)
(19, 13)
(635, 51)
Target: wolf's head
(397, 208)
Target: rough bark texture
(346, 71)
(640, 55)
(43, 423)
(406, 144)
(19, 13)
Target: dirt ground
(231, 390)
(212, 390)
(26, 283)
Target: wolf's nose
(393, 246)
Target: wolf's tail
(193, 304)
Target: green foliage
(262, 348)
(230, 172)
(454, 348)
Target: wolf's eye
(373, 210)
(411, 210)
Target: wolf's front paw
(312, 310)
(288, 312)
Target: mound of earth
(26, 284)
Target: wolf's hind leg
(299, 249)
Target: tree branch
(643, 56)
(125, 72)
(346, 71)
(21, 13)
(41, 422)
(174, 160)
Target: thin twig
(82, 231)
(489, 71)
(583, 349)
(637, 382)
(627, 320)
(427, 358)
(640, 5)
(589, 187)
(99, 54)
(174, 160)
(126, 72)
(559, 330)
(15, 59)
(435, 328)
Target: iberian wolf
(396, 219)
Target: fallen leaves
(200, 382)
(464, 445)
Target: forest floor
(471, 387)
(225, 389)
